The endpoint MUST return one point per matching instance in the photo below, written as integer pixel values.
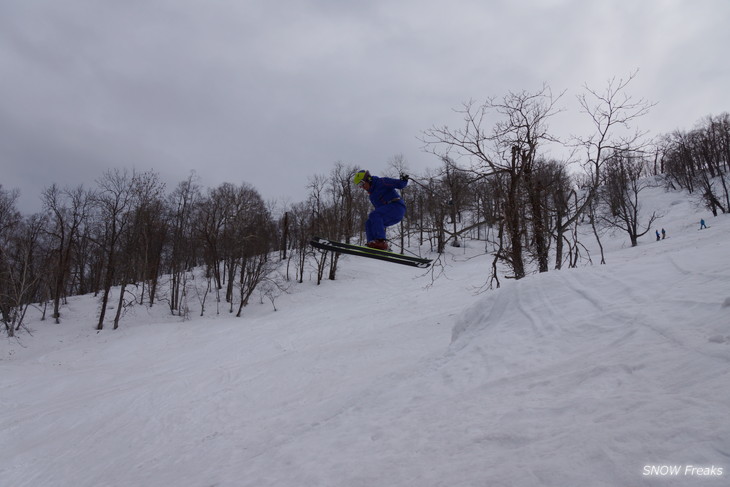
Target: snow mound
(603, 370)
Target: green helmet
(362, 176)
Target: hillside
(580, 377)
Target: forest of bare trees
(129, 240)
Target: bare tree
(140, 243)
(508, 153)
(9, 214)
(284, 223)
(301, 225)
(181, 255)
(321, 216)
(150, 232)
(256, 238)
(210, 219)
(68, 210)
(620, 195)
(9, 219)
(115, 202)
(22, 270)
(613, 113)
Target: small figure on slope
(389, 206)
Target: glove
(404, 177)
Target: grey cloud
(270, 92)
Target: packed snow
(603, 375)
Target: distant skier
(702, 224)
(658, 237)
(664, 234)
(389, 207)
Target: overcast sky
(271, 92)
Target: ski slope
(596, 376)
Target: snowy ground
(598, 376)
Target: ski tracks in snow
(568, 378)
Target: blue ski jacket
(383, 191)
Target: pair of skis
(362, 251)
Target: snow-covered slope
(580, 377)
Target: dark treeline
(130, 240)
(699, 161)
(498, 186)
(126, 233)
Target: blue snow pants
(383, 216)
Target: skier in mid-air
(389, 206)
